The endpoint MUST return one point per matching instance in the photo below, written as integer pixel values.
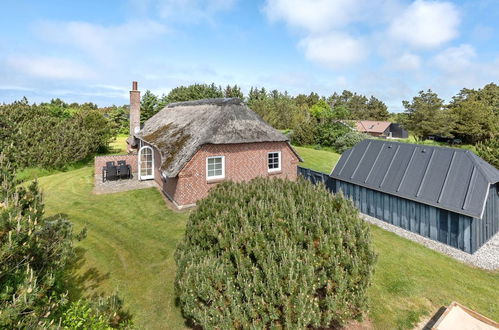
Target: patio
(110, 187)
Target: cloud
(455, 59)
(459, 67)
(312, 15)
(16, 88)
(426, 24)
(190, 10)
(333, 50)
(322, 20)
(50, 67)
(104, 43)
(408, 61)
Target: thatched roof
(180, 129)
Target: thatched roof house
(181, 129)
(188, 147)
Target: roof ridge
(209, 101)
(479, 165)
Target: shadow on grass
(79, 284)
(85, 285)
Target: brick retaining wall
(100, 161)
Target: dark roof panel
(453, 179)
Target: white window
(274, 161)
(146, 163)
(215, 167)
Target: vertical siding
(460, 231)
(453, 229)
(483, 229)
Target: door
(146, 163)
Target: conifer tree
(273, 253)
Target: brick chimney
(134, 109)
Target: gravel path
(487, 257)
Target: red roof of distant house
(371, 126)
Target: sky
(91, 51)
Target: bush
(35, 260)
(103, 313)
(32, 136)
(329, 131)
(35, 252)
(489, 151)
(272, 253)
(348, 140)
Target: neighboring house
(381, 129)
(189, 147)
(449, 195)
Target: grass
(412, 139)
(129, 246)
(318, 160)
(132, 237)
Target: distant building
(381, 129)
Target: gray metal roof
(452, 179)
(180, 129)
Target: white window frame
(145, 177)
(215, 177)
(279, 161)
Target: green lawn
(318, 160)
(129, 246)
(132, 237)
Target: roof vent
(390, 146)
(423, 151)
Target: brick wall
(100, 161)
(243, 162)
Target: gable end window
(274, 161)
(215, 167)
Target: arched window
(146, 163)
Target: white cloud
(16, 88)
(333, 50)
(192, 10)
(105, 43)
(426, 24)
(455, 58)
(312, 15)
(50, 67)
(408, 61)
(458, 67)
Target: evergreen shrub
(489, 151)
(272, 253)
(348, 140)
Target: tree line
(471, 116)
(52, 135)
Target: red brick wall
(100, 161)
(242, 162)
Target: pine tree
(273, 253)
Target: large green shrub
(273, 253)
(489, 151)
(36, 253)
(348, 140)
(329, 131)
(33, 135)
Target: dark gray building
(449, 195)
